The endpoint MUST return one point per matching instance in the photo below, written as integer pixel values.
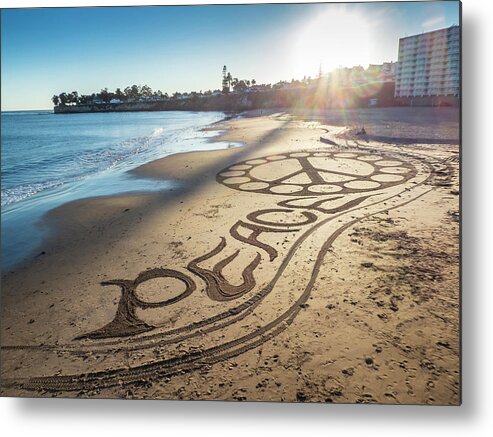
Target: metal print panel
(232, 202)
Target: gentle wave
(49, 160)
(76, 166)
(16, 194)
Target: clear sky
(183, 48)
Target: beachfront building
(428, 68)
(382, 72)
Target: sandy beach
(311, 264)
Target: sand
(287, 270)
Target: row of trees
(137, 93)
(129, 94)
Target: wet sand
(284, 270)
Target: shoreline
(52, 219)
(403, 263)
(49, 229)
(53, 234)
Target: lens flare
(339, 37)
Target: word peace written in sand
(318, 181)
(323, 194)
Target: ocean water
(49, 159)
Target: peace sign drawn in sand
(316, 173)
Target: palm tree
(225, 80)
(119, 94)
(240, 86)
(104, 95)
(56, 100)
(146, 91)
(63, 99)
(135, 91)
(75, 97)
(128, 92)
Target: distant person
(362, 131)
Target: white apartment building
(429, 65)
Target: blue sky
(47, 51)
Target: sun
(338, 37)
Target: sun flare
(336, 38)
